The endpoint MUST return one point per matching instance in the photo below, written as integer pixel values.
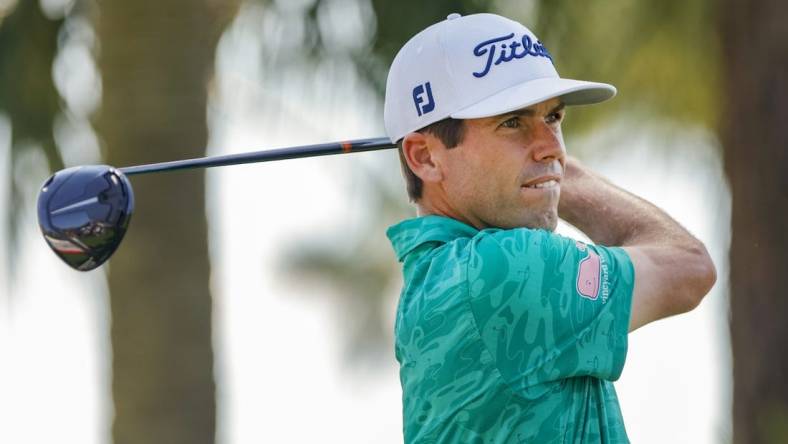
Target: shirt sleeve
(548, 307)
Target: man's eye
(555, 117)
(514, 122)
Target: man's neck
(425, 207)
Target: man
(507, 332)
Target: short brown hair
(450, 132)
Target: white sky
(291, 387)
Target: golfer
(505, 331)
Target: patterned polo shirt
(509, 336)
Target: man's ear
(420, 153)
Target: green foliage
(28, 44)
(662, 56)
(399, 21)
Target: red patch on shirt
(588, 276)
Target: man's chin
(541, 221)
(544, 221)
(549, 225)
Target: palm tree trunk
(755, 137)
(156, 58)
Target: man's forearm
(612, 216)
(673, 269)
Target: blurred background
(255, 303)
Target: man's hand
(673, 270)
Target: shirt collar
(410, 233)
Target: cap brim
(572, 92)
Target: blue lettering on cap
(508, 50)
(418, 99)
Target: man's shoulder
(450, 272)
(411, 234)
(443, 263)
(520, 240)
(495, 253)
(491, 251)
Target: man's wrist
(571, 186)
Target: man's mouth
(552, 183)
(543, 182)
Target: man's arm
(673, 270)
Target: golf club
(84, 211)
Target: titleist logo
(503, 49)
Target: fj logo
(423, 106)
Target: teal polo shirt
(509, 336)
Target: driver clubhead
(84, 212)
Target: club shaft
(323, 149)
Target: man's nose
(547, 144)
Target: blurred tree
(360, 270)
(755, 142)
(156, 59)
(662, 56)
(28, 44)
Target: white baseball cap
(479, 65)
